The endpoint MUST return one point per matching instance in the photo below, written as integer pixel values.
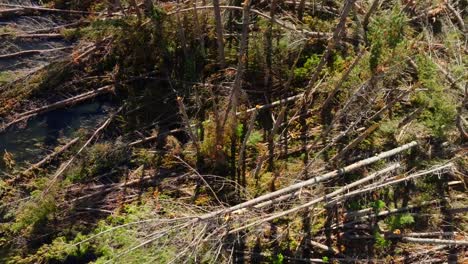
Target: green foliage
(57, 251)
(317, 24)
(389, 127)
(83, 5)
(376, 53)
(338, 63)
(440, 107)
(143, 157)
(354, 205)
(135, 48)
(279, 259)
(303, 73)
(378, 205)
(386, 33)
(401, 221)
(39, 84)
(5, 77)
(34, 212)
(239, 130)
(100, 158)
(254, 138)
(380, 241)
(325, 259)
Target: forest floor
(233, 131)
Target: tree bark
(219, 33)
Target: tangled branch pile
(235, 131)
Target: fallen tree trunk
(315, 180)
(334, 193)
(36, 36)
(64, 103)
(45, 30)
(430, 234)
(42, 162)
(435, 241)
(355, 142)
(70, 161)
(362, 215)
(369, 212)
(30, 52)
(276, 103)
(11, 12)
(369, 189)
(250, 110)
(19, 8)
(317, 200)
(100, 189)
(51, 156)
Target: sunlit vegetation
(259, 132)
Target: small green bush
(303, 73)
(440, 107)
(401, 221)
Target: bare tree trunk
(317, 200)
(300, 10)
(242, 60)
(148, 5)
(269, 48)
(435, 241)
(219, 33)
(181, 31)
(198, 31)
(186, 120)
(43, 161)
(355, 142)
(241, 161)
(313, 181)
(461, 121)
(134, 5)
(64, 103)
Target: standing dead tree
(241, 65)
(219, 33)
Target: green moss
(143, 157)
(6, 77)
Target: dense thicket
(233, 131)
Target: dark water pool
(46, 131)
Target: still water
(45, 132)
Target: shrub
(303, 73)
(381, 242)
(385, 34)
(440, 112)
(401, 221)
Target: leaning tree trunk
(219, 33)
